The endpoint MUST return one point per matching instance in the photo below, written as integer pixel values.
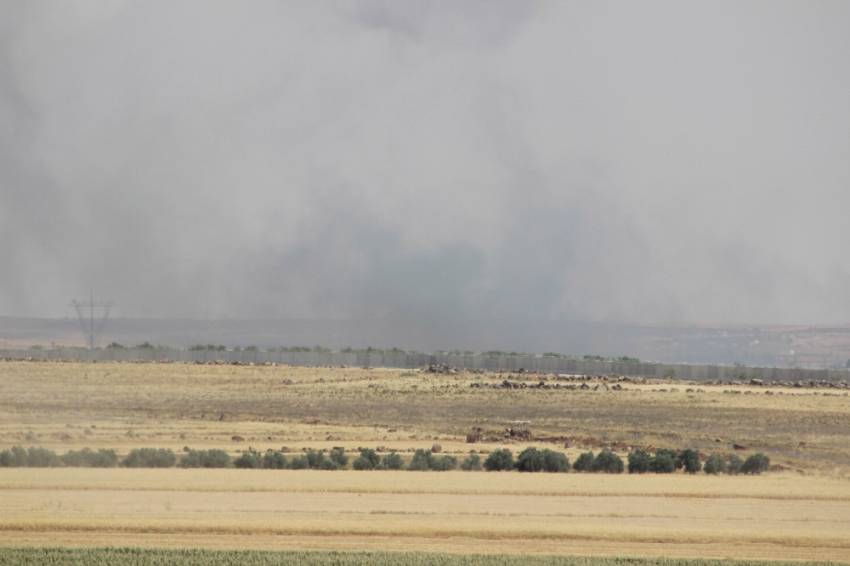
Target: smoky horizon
(646, 164)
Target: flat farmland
(798, 511)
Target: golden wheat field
(798, 511)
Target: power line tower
(90, 328)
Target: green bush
(714, 465)
(149, 458)
(472, 463)
(19, 457)
(689, 459)
(529, 460)
(422, 460)
(756, 464)
(608, 462)
(392, 461)
(15, 457)
(733, 466)
(274, 460)
(213, 458)
(555, 462)
(444, 463)
(662, 463)
(90, 459)
(299, 463)
(499, 460)
(318, 461)
(584, 463)
(368, 460)
(339, 457)
(248, 460)
(639, 462)
(673, 455)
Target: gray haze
(645, 162)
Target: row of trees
(663, 461)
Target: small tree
(529, 460)
(213, 458)
(274, 460)
(689, 459)
(584, 463)
(299, 463)
(639, 461)
(662, 463)
(608, 462)
(339, 457)
(248, 460)
(149, 458)
(472, 463)
(714, 465)
(368, 460)
(555, 462)
(392, 461)
(422, 460)
(42, 458)
(444, 463)
(499, 460)
(756, 464)
(733, 466)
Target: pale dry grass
(777, 516)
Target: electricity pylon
(90, 329)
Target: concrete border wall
(501, 362)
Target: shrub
(733, 466)
(299, 463)
(368, 460)
(756, 464)
(15, 457)
(422, 460)
(639, 462)
(149, 458)
(673, 455)
(472, 463)
(444, 463)
(392, 461)
(584, 462)
(89, 458)
(318, 461)
(529, 460)
(248, 460)
(213, 458)
(714, 465)
(42, 458)
(555, 461)
(499, 460)
(690, 460)
(662, 463)
(339, 457)
(608, 462)
(274, 460)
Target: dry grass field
(801, 513)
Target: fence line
(405, 360)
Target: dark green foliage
(248, 460)
(90, 459)
(673, 454)
(663, 463)
(422, 460)
(368, 460)
(149, 458)
(339, 457)
(274, 460)
(555, 462)
(733, 466)
(529, 460)
(472, 463)
(19, 457)
(714, 464)
(318, 461)
(584, 463)
(392, 461)
(444, 463)
(299, 463)
(213, 458)
(639, 462)
(608, 462)
(756, 464)
(690, 460)
(499, 460)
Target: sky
(652, 162)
